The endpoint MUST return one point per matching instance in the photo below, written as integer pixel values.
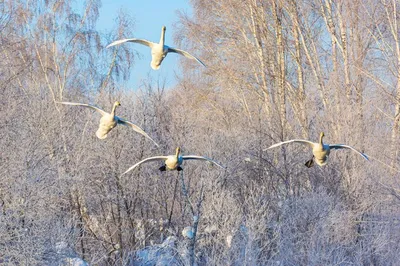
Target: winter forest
(275, 70)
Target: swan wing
(85, 105)
(150, 159)
(135, 127)
(290, 141)
(343, 146)
(196, 157)
(184, 53)
(141, 41)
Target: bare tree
(276, 69)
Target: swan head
(117, 103)
(164, 28)
(178, 151)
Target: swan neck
(162, 39)
(113, 109)
(320, 139)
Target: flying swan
(320, 150)
(158, 50)
(109, 120)
(173, 162)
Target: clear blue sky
(149, 16)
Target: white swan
(109, 120)
(173, 162)
(320, 150)
(158, 50)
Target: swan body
(158, 50)
(320, 150)
(173, 162)
(109, 120)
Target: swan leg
(179, 168)
(310, 163)
(163, 168)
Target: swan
(173, 162)
(109, 120)
(158, 50)
(320, 150)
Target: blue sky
(149, 16)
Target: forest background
(276, 70)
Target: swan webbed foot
(179, 168)
(163, 168)
(310, 163)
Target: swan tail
(101, 134)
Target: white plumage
(158, 50)
(109, 120)
(172, 162)
(320, 150)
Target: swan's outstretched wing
(135, 127)
(196, 157)
(85, 105)
(141, 41)
(343, 146)
(150, 159)
(184, 53)
(290, 141)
